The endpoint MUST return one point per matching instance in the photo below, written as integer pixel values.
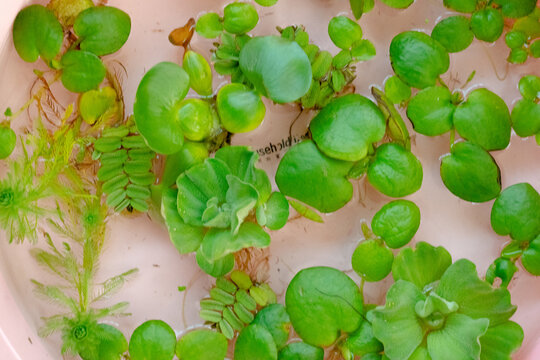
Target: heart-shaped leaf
(347, 127)
(515, 212)
(197, 186)
(487, 24)
(255, 343)
(275, 319)
(159, 93)
(459, 337)
(484, 120)
(153, 340)
(301, 350)
(475, 297)
(322, 302)
(186, 238)
(396, 324)
(308, 175)
(422, 266)
(526, 118)
(531, 257)
(395, 172)
(278, 68)
(344, 32)
(516, 8)
(95, 104)
(37, 32)
(218, 243)
(529, 87)
(372, 260)
(81, 71)
(501, 341)
(202, 344)
(470, 173)
(240, 108)
(431, 111)
(454, 33)
(418, 59)
(102, 30)
(397, 222)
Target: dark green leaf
(531, 257)
(220, 267)
(529, 87)
(301, 351)
(362, 341)
(454, 33)
(487, 24)
(275, 319)
(255, 343)
(431, 111)
(516, 8)
(398, 4)
(372, 260)
(526, 118)
(515, 39)
(153, 340)
(81, 71)
(464, 6)
(396, 222)
(470, 173)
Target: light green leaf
(362, 341)
(487, 24)
(396, 90)
(255, 343)
(372, 260)
(501, 341)
(199, 71)
(396, 222)
(242, 198)
(275, 319)
(398, 4)
(209, 25)
(153, 340)
(240, 17)
(95, 104)
(218, 268)
(81, 71)
(431, 111)
(526, 117)
(202, 344)
(464, 6)
(344, 32)
(275, 212)
(454, 33)
(301, 351)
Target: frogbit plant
(522, 39)
(526, 111)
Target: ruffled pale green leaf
(186, 238)
(471, 173)
(218, 268)
(396, 324)
(218, 243)
(395, 171)
(37, 32)
(301, 351)
(322, 303)
(422, 266)
(396, 222)
(242, 198)
(82, 71)
(202, 344)
(102, 30)
(454, 33)
(255, 343)
(475, 297)
(160, 91)
(501, 342)
(346, 128)
(308, 175)
(484, 120)
(458, 339)
(199, 185)
(278, 68)
(275, 319)
(515, 212)
(153, 340)
(418, 59)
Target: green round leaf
(396, 90)
(431, 111)
(454, 33)
(322, 302)
(464, 6)
(422, 266)
(396, 223)
(199, 71)
(484, 120)
(535, 49)
(516, 8)
(306, 174)
(94, 104)
(218, 268)
(346, 128)
(515, 212)
(276, 211)
(344, 32)
(363, 342)
(209, 25)
(239, 18)
(518, 56)
(153, 340)
(111, 346)
(102, 29)
(81, 71)
(531, 257)
(363, 50)
(202, 345)
(487, 24)
(418, 59)
(159, 93)
(529, 87)
(515, 39)
(301, 351)
(470, 173)
(278, 68)
(526, 118)
(275, 319)
(266, 2)
(196, 118)
(37, 32)
(395, 172)
(240, 108)
(372, 260)
(255, 343)
(8, 140)
(398, 4)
